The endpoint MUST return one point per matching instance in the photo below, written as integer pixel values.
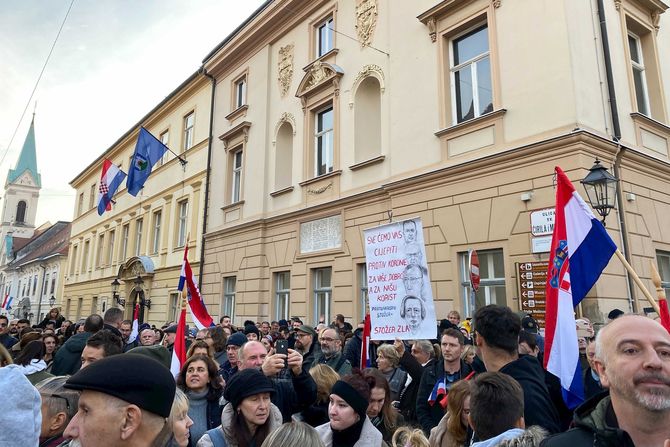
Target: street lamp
(115, 292)
(600, 188)
(139, 289)
(52, 301)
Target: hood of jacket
(228, 414)
(35, 365)
(370, 436)
(592, 416)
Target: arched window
(284, 157)
(368, 129)
(21, 212)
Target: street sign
(532, 280)
(474, 270)
(542, 222)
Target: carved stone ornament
(285, 118)
(285, 69)
(366, 21)
(656, 20)
(320, 190)
(496, 3)
(317, 73)
(432, 29)
(370, 69)
(617, 5)
(137, 269)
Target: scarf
(349, 436)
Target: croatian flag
(179, 348)
(7, 302)
(201, 317)
(110, 180)
(134, 332)
(439, 394)
(365, 343)
(580, 250)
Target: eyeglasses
(58, 396)
(327, 339)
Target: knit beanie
(252, 329)
(245, 383)
(351, 396)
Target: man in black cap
(306, 345)
(230, 366)
(125, 400)
(170, 336)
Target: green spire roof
(27, 160)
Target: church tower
(22, 191)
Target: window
(138, 236)
(182, 223)
(125, 231)
(80, 305)
(110, 247)
(363, 289)
(68, 306)
(80, 205)
(94, 305)
(228, 301)
(75, 249)
(324, 37)
(84, 258)
(21, 212)
(236, 177)
(472, 93)
(663, 259)
(492, 285)
(188, 130)
(53, 283)
(367, 120)
(174, 307)
(165, 139)
(639, 76)
(34, 285)
(322, 293)
(45, 286)
(323, 144)
(282, 295)
(240, 92)
(91, 199)
(284, 157)
(156, 240)
(101, 250)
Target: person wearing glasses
(7, 340)
(59, 405)
(331, 353)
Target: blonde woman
(469, 354)
(408, 437)
(388, 360)
(293, 434)
(325, 377)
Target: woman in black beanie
(349, 425)
(249, 417)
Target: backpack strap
(216, 435)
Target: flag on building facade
(148, 151)
(580, 250)
(365, 344)
(7, 302)
(196, 305)
(110, 180)
(136, 324)
(179, 348)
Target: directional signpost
(532, 280)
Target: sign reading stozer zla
(399, 292)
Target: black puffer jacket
(293, 393)
(595, 425)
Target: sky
(113, 62)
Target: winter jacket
(8, 341)
(57, 322)
(68, 358)
(538, 407)
(226, 370)
(516, 437)
(35, 371)
(341, 365)
(440, 435)
(311, 355)
(314, 415)
(370, 436)
(275, 421)
(387, 432)
(352, 350)
(293, 393)
(408, 396)
(429, 415)
(591, 385)
(595, 424)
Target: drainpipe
(203, 70)
(616, 128)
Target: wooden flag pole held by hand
(638, 281)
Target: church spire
(27, 159)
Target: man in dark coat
(430, 406)
(68, 358)
(7, 340)
(421, 357)
(497, 338)
(352, 350)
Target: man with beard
(632, 360)
(5, 338)
(331, 352)
(306, 346)
(439, 377)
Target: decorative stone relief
(366, 21)
(284, 118)
(317, 73)
(432, 29)
(496, 3)
(656, 20)
(367, 70)
(321, 234)
(320, 190)
(285, 69)
(617, 5)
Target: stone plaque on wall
(321, 234)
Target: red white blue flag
(179, 348)
(7, 302)
(196, 305)
(365, 343)
(136, 324)
(110, 180)
(580, 251)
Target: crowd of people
(283, 383)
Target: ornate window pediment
(319, 75)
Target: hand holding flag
(179, 348)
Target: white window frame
(182, 222)
(174, 306)
(236, 176)
(362, 288)
(322, 290)
(165, 139)
(228, 299)
(473, 70)
(240, 92)
(639, 67)
(282, 295)
(324, 136)
(328, 43)
(110, 244)
(156, 242)
(189, 122)
(125, 233)
(663, 261)
(486, 285)
(139, 224)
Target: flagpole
(638, 281)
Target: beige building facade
(143, 236)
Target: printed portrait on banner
(399, 292)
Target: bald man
(632, 360)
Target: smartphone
(281, 347)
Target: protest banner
(399, 292)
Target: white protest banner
(399, 293)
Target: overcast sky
(113, 62)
